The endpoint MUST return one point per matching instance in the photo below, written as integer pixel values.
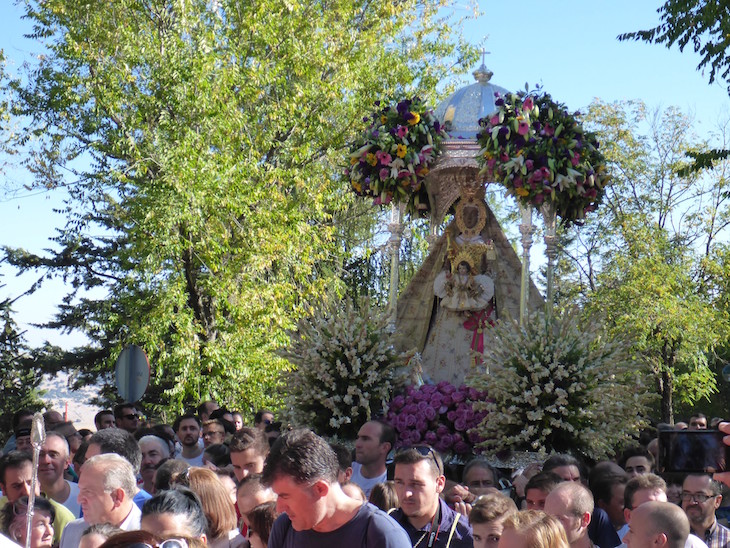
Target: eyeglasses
(131, 416)
(169, 543)
(699, 497)
(267, 421)
(212, 432)
(426, 451)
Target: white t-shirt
(72, 502)
(366, 484)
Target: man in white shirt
(53, 461)
(375, 439)
(106, 489)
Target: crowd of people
(211, 480)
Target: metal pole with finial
(37, 439)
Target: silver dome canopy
(463, 109)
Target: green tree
(200, 144)
(646, 260)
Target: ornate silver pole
(396, 236)
(526, 230)
(551, 250)
(37, 439)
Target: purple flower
(442, 430)
(411, 420)
(451, 415)
(422, 405)
(430, 437)
(461, 448)
(415, 437)
(458, 397)
(428, 388)
(421, 425)
(384, 173)
(460, 424)
(446, 400)
(430, 413)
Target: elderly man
(572, 504)
(700, 498)
(154, 451)
(106, 487)
(658, 524)
(419, 480)
(374, 441)
(302, 470)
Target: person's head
(118, 441)
(16, 475)
(21, 416)
(214, 432)
(487, 517)
(104, 419)
(107, 485)
(701, 496)
(22, 437)
(681, 425)
(263, 418)
(302, 470)
(237, 420)
(168, 473)
(479, 476)
(217, 456)
(217, 505)
(14, 516)
(698, 421)
(68, 431)
(566, 466)
(463, 268)
(641, 489)
(53, 459)
(658, 525)
(249, 448)
(608, 492)
(384, 496)
(419, 480)
(636, 461)
(374, 441)
(344, 462)
(96, 535)
(129, 539)
(538, 488)
(532, 529)
(260, 521)
(354, 491)
(154, 450)
(187, 429)
(572, 504)
(175, 512)
(126, 417)
(251, 492)
(205, 409)
(51, 418)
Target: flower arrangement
(441, 415)
(345, 369)
(559, 386)
(541, 154)
(394, 154)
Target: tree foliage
(200, 143)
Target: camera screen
(692, 451)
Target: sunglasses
(169, 543)
(426, 451)
(131, 416)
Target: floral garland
(440, 415)
(541, 154)
(393, 156)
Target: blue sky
(569, 47)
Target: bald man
(657, 524)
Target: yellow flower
(522, 191)
(353, 160)
(401, 152)
(383, 119)
(371, 159)
(357, 186)
(415, 118)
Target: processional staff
(37, 439)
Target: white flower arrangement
(345, 369)
(560, 387)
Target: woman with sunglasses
(14, 522)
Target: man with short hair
(608, 493)
(636, 461)
(302, 470)
(249, 448)
(126, 417)
(106, 487)
(262, 419)
(187, 430)
(16, 477)
(19, 417)
(566, 466)
(419, 480)
(572, 504)
(374, 441)
(104, 419)
(250, 493)
(538, 488)
(53, 460)
(657, 524)
(175, 513)
(479, 476)
(698, 421)
(122, 443)
(344, 462)
(701, 496)
(641, 489)
(154, 451)
(214, 432)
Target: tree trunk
(666, 384)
